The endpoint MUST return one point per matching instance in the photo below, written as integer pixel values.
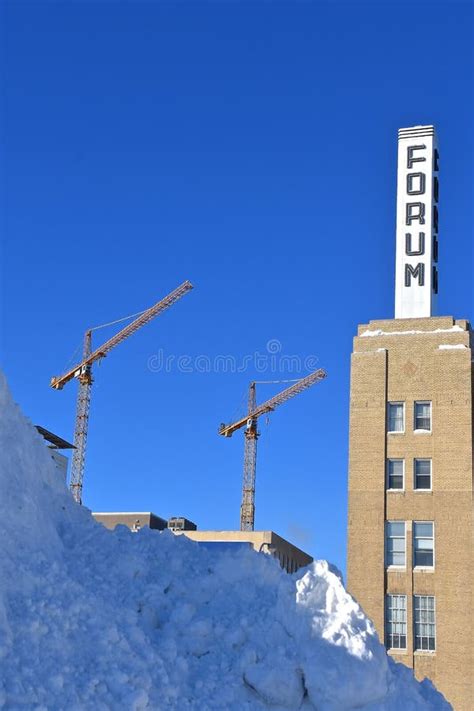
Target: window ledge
(424, 652)
(424, 569)
(395, 491)
(397, 651)
(423, 491)
(397, 432)
(397, 568)
(418, 432)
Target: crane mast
(247, 508)
(82, 422)
(83, 373)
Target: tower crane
(254, 411)
(83, 373)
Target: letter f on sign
(413, 159)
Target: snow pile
(93, 619)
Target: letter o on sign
(416, 183)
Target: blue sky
(248, 147)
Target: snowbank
(93, 619)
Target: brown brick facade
(407, 361)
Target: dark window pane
(424, 558)
(395, 417)
(423, 481)
(423, 466)
(422, 416)
(396, 482)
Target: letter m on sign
(417, 272)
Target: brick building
(410, 529)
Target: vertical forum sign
(416, 274)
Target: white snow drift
(93, 619)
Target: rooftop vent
(178, 523)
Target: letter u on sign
(409, 251)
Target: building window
(423, 544)
(425, 623)
(396, 417)
(395, 543)
(423, 474)
(396, 622)
(395, 474)
(423, 416)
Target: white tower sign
(416, 278)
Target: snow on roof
(119, 620)
(379, 332)
(449, 347)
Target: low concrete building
(135, 520)
(289, 556)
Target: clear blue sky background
(248, 147)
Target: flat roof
(57, 442)
(124, 513)
(269, 537)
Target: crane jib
(272, 403)
(83, 373)
(58, 382)
(247, 508)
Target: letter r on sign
(415, 211)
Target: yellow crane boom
(59, 382)
(272, 403)
(247, 508)
(83, 372)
